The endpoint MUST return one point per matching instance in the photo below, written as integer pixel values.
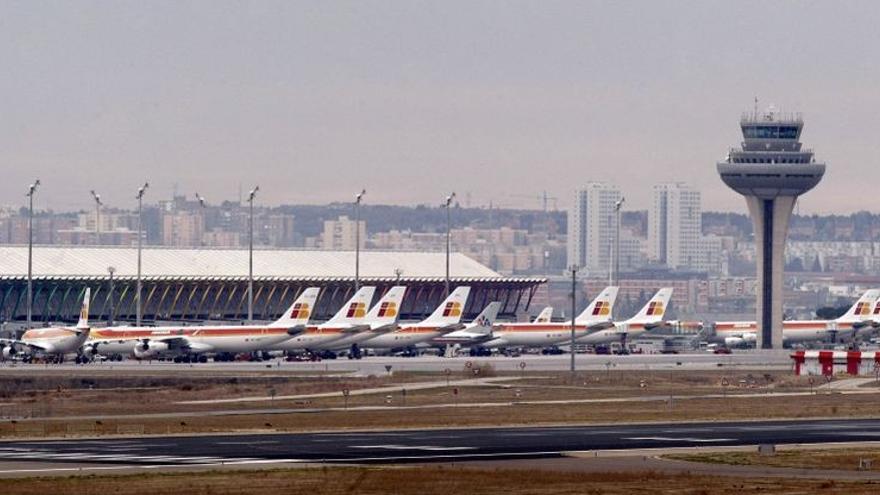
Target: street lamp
(397, 273)
(617, 207)
(357, 238)
(140, 198)
(98, 205)
(448, 205)
(30, 272)
(251, 195)
(574, 270)
(110, 314)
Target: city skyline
(313, 102)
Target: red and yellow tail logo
(357, 310)
(655, 308)
(388, 309)
(452, 309)
(300, 311)
(863, 308)
(603, 308)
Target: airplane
(648, 318)
(188, 343)
(857, 320)
(352, 323)
(475, 332)
(596, 316)
(446, 318)
(52, 341)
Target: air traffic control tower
(771, 170)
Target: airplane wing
(356, 329)
(450, 328)
(20, 343)
(600, 325)
(384, 328)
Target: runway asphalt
(377, 365)
(433, 445)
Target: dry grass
(838, 459)
(422, 481)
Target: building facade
(591, 227)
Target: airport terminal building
(195, 285)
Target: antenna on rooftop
(756, 107)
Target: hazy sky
(313, 100)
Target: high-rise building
(183, 228)
(771, 170)
(340, 234)
(591, 227)
(675, 226)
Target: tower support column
(770, 218)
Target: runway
(433, 445)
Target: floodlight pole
(448, 205)
(30, 268)
(574, 270)
(251, 195)
(140, 198)
(111, 295)
(98, 204)
(357, 238)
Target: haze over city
(314, 100)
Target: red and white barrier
(834, 362)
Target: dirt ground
(425, 481)
(45, 405)
(839, 459)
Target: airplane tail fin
(301, 309)
(449, 312)
(83, 322)
(387, 310)
(484, 322)
(545, 316)
(355, 309)
(655, 309)
(600, 308)
(863, 308)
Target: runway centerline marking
(411, 447)
(682, 439)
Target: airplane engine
(90, 351)
(733, 341)
(8, 352)
(146, 349)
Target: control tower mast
(771, 170)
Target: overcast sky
(314, 100)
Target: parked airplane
(446, 318)
(186, 343)
(52, 341)
(648, 318)
(352, 323)
(475, 332)
(857, 318)
(596, 316)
